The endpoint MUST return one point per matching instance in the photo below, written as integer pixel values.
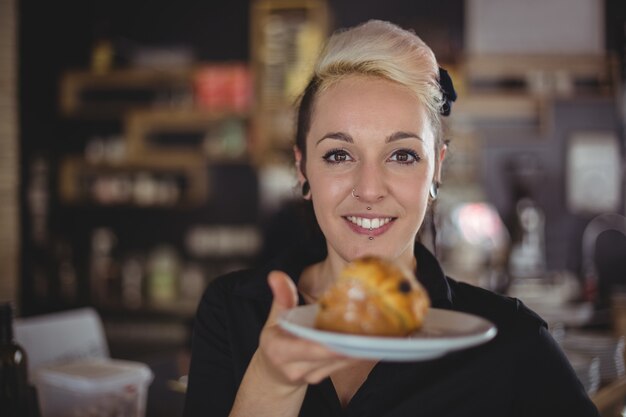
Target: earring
(306, 188)
(434, 191)
(354, 195)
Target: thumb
(284, 292)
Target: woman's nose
(370, 183)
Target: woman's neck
(316, 278)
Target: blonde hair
(380, 49)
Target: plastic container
(93, 388)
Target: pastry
(373, 296)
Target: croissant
(373, 296)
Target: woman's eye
(405, 156)
(337, 156)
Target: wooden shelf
(75, 171)
(107, 95)
(158, 104)
(221, 136)
(285, 37)
(178, 309)
(558, 74)
(492, 106)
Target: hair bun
(447, 90)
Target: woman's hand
(283, 365)
(287, 359)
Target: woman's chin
(371, 247)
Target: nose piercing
(354, 195)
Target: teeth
(369, 223)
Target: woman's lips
(369, 225)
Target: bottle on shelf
(17, 398)
(163, 275)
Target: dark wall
(57, 36)
(539, 156)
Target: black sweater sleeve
(543, 381)
(548, 385)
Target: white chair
(61, 337)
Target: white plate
(443, 331)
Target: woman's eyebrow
(338, 136)
(347, 138)
(403, 135)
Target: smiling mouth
(368, 223)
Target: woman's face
(373, 136)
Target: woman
(368, 154)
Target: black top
(521, 372)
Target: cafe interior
(146, 148)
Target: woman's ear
(441, 157)
(297, 154)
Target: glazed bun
(373, 296)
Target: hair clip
(447, 90)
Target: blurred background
(145, 148)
